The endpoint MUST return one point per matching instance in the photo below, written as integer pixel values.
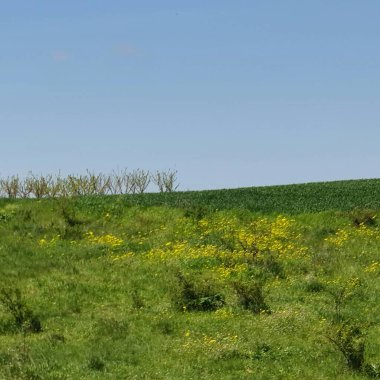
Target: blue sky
(229, 93)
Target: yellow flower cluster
(223, 313)
(345, 235)
(260, 236)
(374, 267)
(209, 345)
(240, 243)
(183, 250)
(224, 272)
(45, 242)
(108, 240)
(339, 238)
(343, 286)
(123, 256)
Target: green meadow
(275, 282)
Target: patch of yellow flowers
(184, 250)
(348, 234)
(258, 236)
(45, 242)
(209, 345)
(244, 242)
(108, 240)
(374, 267)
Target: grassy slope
(116, 319)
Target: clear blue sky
(229, 93)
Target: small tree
(165, 180)
(140, 180)
(10, 186)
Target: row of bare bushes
(120, 182)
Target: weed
(137, 301)
(313, 285)
(262, 350)
(341, 293)
(69, 215)
(270, 264)
(372, 370)
(166, 326)
(349, 340)
(23, 318)
(57, 338)
(5, 217)
(363, 218)
(251, 297)
(196, 212)
(118, 329)
(199, 296)
(26, 215)
(96, 363)
(73, 225)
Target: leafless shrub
(120, 182)
(26, 188)
(40, 185)
(128, 184)
(76, 185)
(94, 184)
(10, 186)
(165, 180)
(117, 180)
(57, 187)
(139, 181)
(102, 182)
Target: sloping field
(301, 198)
(259, 283)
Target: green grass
(250, 296)
(301, 198)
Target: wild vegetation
(118, 182)
(258, 283)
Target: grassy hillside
(258, 283)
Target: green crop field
(275, 282)
(292, 199)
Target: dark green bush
(251, 297)
(23, 317)
(349, 340)
(363, 217)
(313, 285)
(96, 363)
(200, 296)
